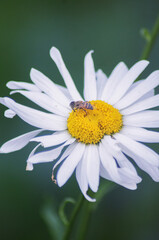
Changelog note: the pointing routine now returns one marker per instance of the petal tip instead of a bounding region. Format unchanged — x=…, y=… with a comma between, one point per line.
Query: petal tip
x=89, y=53
x=89, y=198
x=8, y=84
x=54, y=51
x=32, y=71
x=29, y=167
x=59, y=183
x=1, y=151
x=145, y=62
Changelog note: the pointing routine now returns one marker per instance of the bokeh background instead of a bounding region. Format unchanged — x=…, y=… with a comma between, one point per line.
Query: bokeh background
x=28, y=30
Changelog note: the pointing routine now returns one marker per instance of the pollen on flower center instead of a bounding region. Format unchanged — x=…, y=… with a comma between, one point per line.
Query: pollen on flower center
x=90, y=126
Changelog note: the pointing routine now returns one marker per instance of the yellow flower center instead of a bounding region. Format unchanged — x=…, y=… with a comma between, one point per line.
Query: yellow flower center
x=90, y=126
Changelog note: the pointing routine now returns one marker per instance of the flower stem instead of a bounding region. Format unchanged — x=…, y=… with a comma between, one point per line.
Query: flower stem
x=85, y=220
x=151, y=40
x=90, y=207
x=73, y=218
x=86, y=208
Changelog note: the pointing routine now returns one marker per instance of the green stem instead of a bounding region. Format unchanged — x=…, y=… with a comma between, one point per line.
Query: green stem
x=89, y=207
x=73, y=218
x=150, y=43
x=85, y=221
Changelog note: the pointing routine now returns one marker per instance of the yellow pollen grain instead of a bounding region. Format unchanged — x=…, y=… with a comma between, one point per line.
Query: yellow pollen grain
x=90, y=126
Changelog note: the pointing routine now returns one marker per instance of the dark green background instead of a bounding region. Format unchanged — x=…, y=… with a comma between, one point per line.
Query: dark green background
x=28, y=29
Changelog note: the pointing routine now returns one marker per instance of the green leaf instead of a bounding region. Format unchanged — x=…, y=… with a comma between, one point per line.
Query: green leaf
x=52, y=221
x=62, y=210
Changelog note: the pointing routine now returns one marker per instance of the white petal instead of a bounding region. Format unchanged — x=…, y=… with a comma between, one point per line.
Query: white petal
x=127, y=81
x=145, y=86
x=123, y=181
x=114, y=80
x=37, y=118
x=113, y=144
x=23, y=85
x=57, y=58
x=29, y=166
x=153, y=171
x=70, y=164
x=49, y=87
x=140, y=134
x=142, y=105
x=90, y=89
x=81, y=176
x=139, y=149
x=45, y=102
x=147, y=95
x=69, y=141
x=2, y=101
x=101, y=81
x=18, y=142
x=66, y=153
x=125, y=165
x=104, y=173
x=9, y=113
x=142, y=119
x=147, y=124
x=65, y=91
x=108, y=161
x=127, y=179
x=127, y=174
x=93, y=167
x=53, y=139
x=45, y=156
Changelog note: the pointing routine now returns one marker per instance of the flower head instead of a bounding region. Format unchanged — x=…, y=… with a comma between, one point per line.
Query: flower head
x=97, y=133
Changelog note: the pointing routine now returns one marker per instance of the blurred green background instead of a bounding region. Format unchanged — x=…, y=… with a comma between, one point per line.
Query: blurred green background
x=28, y=30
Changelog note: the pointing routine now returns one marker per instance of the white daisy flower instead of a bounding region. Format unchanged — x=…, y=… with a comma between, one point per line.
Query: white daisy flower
x=93, y=135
